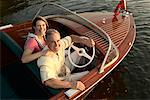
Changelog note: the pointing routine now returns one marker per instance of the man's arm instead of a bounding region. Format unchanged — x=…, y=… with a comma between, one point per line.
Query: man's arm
x=81, y=39
x=55, y=83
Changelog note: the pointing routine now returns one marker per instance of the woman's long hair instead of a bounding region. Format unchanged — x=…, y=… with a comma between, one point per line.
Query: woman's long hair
x=39, y=18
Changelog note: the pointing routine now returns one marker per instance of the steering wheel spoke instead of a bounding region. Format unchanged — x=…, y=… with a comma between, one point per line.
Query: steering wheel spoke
x=75, y=48
x=84, y=54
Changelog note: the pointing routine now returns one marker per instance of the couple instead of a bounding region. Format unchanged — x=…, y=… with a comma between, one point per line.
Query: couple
x=55, y=71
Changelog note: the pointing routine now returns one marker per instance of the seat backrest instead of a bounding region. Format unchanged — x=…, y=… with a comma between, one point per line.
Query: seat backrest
x=32, y=66
x=17, y=50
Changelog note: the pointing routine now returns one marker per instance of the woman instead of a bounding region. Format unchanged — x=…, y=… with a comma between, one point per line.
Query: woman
x=35, y=42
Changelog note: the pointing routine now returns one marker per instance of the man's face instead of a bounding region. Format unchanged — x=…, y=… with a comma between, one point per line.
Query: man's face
x=54, y=42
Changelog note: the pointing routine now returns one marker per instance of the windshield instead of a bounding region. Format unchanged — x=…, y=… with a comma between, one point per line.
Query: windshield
x=57, y=11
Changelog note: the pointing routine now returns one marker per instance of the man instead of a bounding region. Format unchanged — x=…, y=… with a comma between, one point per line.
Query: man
x=53, y=69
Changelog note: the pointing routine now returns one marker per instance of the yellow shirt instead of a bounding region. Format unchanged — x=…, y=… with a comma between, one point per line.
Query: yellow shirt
x=50, y=65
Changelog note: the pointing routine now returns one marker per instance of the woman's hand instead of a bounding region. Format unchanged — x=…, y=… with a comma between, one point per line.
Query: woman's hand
x=43, y=52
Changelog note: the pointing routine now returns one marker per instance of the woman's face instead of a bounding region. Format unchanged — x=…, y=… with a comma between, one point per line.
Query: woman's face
x=40, y=27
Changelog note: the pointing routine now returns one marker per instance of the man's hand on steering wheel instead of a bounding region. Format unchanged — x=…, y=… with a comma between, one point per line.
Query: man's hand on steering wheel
x=87, y=41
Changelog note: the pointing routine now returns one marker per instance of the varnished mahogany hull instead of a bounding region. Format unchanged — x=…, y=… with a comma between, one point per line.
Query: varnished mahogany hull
x=121, y=30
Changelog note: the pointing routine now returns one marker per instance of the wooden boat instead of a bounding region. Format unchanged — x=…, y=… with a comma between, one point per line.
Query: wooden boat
x=114, y=34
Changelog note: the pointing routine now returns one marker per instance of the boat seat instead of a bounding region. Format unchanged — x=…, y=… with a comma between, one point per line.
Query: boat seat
x=8, y=91
x=17, y=50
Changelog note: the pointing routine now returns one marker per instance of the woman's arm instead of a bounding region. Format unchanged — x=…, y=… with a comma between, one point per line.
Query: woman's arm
x=29, y=56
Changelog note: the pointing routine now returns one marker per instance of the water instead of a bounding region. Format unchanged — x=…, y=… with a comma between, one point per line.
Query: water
x=131, y=79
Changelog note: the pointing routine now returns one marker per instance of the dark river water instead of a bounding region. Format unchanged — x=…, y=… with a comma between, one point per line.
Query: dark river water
x=131, y=78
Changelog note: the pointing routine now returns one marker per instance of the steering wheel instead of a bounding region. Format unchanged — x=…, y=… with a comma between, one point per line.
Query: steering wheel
x=81, y=52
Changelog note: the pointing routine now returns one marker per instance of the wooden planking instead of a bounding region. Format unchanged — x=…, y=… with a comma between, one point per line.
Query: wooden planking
x=117, y=30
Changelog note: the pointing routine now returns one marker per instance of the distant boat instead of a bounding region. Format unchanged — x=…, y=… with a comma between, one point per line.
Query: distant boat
x=113, y=32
